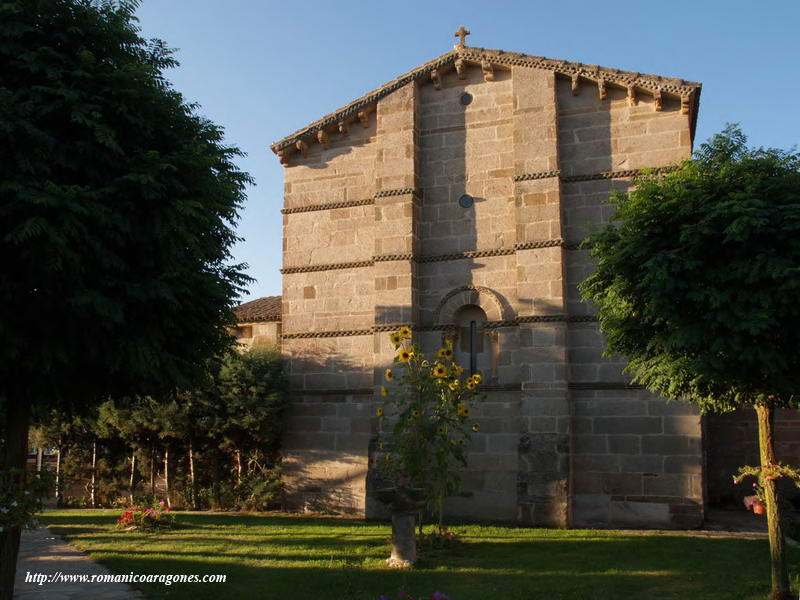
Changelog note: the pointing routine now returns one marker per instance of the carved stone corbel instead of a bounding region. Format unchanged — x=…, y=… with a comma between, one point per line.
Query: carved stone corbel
x=488, y=71
x=601, y=88
x=363, y=116
x=576, y=83
x=301, y=146
x=461, y=68
x=283, y=156
x=436, y=77
x=657, y=101
x=343, y=129
x=323, y=139
x=632, y=99
x=685, y=103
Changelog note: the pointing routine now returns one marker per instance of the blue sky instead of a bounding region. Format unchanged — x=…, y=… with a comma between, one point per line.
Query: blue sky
x=262, y=69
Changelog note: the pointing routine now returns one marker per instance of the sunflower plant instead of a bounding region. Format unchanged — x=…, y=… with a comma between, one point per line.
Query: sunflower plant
x=426, y=415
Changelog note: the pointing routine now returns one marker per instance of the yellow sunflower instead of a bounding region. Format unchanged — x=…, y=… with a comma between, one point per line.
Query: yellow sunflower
x=477, y=378
x=384, y=391
x=439, y=371
x=440, y=353
x=453, y=385
x=458, y=369
x=395, y=339
x=461, y=442
x=388, y=375
x=405, y=331
x=415, y=413
x=476, y=427
x=462, y=408
x=379, y=412
x=449, y=344
x=470, y=384
x=441, y=430
x=405, y=355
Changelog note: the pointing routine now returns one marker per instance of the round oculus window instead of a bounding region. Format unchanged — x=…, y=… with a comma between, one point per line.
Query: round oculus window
x=466, y=201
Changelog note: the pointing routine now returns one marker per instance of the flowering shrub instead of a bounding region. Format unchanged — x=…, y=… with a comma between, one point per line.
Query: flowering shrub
x=427, y=409
x=151, y=518
x=21, y=496
x=763, y=474
x=441, y=538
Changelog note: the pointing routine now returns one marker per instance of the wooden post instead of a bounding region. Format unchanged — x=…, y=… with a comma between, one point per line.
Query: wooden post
x=238, y=467
x=58, y=475
x=93, y=481
x=133, y=476
x=193, y=489
x=166, y=475
x=152, y=469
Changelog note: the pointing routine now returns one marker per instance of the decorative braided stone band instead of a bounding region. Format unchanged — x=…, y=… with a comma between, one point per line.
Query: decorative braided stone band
x=594, y=176
x=524, y=177
x=349, y=203
x=604, y=385
x=430, y=259
x=328, y=206
x=329, y=267
x=541, y=175
x=329, y=392
x=499, y=387
x=441, y=327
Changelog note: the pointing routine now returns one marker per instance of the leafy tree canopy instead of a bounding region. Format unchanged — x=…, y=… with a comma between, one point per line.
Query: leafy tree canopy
x=117, y=206
x=698, y=276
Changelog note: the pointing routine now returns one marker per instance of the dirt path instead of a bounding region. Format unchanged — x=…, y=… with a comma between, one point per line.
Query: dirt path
x=42, y=552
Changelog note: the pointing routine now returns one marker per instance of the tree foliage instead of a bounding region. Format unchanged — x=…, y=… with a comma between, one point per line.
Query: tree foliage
x=233, y=421
x=698, y=276
x=116, y=208
x=697, y=284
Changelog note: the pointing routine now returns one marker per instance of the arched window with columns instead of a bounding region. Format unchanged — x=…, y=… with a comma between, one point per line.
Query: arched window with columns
x=473, y=350
x=470, y=309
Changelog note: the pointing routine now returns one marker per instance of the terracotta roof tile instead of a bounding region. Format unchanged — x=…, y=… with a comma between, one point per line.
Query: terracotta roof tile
x=267, y=308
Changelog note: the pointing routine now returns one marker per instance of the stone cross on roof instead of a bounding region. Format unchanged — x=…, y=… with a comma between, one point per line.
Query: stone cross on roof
x=462, y=33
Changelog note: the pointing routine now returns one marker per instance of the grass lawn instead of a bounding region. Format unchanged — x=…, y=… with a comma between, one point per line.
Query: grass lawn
x=291, y=557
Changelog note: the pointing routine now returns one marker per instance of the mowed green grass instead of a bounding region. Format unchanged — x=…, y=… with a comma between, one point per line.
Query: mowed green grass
x=292, y=557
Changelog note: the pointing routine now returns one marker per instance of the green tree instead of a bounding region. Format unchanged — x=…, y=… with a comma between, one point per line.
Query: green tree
x=252, y=389
x=117, y=204
x=697, y=283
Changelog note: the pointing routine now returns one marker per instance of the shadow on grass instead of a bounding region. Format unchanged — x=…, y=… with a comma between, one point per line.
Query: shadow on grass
x=276, y=557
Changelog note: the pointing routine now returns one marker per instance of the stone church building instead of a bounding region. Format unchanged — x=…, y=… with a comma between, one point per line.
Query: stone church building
x=452, y=197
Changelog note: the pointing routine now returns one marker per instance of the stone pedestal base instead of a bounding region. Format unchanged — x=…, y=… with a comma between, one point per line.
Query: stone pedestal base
x=404, y=541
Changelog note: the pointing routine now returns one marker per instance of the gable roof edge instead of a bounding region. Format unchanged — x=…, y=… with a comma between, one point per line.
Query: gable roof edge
x=688, y=90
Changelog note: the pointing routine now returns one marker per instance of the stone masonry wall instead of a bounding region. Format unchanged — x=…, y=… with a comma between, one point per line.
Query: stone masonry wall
x=331, y=378
x=263, y=333
x=564, y=438
x=636, y=459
